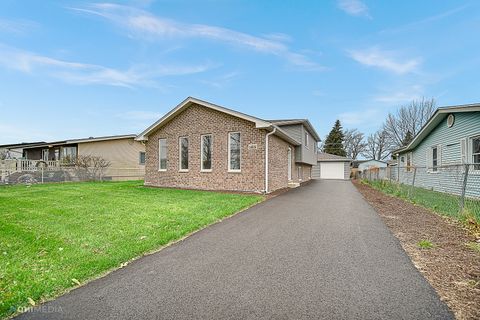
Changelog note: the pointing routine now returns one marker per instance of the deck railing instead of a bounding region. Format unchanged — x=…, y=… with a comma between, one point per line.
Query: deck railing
x=14, y=171
x=21, y=165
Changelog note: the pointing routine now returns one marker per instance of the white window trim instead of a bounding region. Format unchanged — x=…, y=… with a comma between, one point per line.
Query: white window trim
x=201, y=152
x=140, y=158
x=229, y=151
x=430, y=169
x=180, y=154
x=160, y=156
x=470, y=153
x=307, y=138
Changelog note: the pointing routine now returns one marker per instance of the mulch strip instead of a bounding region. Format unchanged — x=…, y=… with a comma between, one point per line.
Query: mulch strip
x=450, y=266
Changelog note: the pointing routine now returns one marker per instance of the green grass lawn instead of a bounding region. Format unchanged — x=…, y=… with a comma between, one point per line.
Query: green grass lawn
x=53, y=233
x=442, y=203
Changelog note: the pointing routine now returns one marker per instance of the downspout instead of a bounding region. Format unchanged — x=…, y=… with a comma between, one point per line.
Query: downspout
x=266, y=157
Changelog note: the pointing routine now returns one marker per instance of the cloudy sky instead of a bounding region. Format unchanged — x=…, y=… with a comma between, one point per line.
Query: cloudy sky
x=72, y=69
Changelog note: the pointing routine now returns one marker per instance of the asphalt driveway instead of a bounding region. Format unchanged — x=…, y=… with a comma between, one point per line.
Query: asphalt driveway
x=316, y=252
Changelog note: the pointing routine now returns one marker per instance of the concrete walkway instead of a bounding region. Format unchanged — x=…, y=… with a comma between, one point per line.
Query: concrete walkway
x=316, y=252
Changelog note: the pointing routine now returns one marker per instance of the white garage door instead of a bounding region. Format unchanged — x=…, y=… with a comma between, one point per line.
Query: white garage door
x=332, y=170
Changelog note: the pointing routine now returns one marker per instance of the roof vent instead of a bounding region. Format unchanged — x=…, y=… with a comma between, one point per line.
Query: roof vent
x=90, y=137
x=450, y=120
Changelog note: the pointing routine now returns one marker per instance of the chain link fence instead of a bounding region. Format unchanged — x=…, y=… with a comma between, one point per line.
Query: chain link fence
x=33, y=171
x=451, y=189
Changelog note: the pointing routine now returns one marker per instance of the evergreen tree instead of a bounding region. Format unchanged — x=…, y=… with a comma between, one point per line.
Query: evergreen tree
x=408, y=138
x=334, y=141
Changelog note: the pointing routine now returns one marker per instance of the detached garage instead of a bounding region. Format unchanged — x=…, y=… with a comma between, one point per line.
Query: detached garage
x=330, y=166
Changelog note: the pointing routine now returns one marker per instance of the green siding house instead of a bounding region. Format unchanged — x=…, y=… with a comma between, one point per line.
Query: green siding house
x=437, y=155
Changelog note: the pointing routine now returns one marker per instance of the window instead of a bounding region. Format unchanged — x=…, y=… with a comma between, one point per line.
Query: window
x=45, y=154
x=162, y=154
x=206, y=161
x=141, y=157
x=183, y=147
x=69, y=154
x=234, y=150
x=306, y=139
x=476, y=153
x=434, y=159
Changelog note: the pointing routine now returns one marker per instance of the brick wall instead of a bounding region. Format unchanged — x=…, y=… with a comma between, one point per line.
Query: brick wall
x=302, y=172
x=278, y=163
x=196, y=121
x=192, y=123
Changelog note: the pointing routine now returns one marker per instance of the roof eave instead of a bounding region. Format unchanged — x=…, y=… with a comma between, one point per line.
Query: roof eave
x=282, y=134
x=334, y=160
x=434, y=120
x=100, y=139
x=259, y=124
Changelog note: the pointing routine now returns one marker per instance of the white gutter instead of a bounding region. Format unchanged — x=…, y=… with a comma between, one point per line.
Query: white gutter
x=266, y=157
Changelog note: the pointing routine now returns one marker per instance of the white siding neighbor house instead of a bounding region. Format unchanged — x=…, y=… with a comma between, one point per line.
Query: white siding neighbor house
x=442, y=148
x=372, y=163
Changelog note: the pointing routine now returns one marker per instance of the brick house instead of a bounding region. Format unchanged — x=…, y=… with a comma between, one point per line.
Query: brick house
x=200, y=145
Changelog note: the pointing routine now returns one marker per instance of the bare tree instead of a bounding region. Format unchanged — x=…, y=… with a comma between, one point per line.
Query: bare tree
x=378, y=146
x=354, y=143
x=407, y=121
x=91, y=167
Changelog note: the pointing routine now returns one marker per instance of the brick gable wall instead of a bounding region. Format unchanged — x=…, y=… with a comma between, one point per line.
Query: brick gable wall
x=196, y=121
x=192, y=123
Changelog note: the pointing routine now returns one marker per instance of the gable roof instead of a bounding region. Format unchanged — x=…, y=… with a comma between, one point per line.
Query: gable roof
x=85, y=140
x=259, y=123
x=105, y=138
x=20, y=145
x=305, y=122
x=367, y=160
x=440, y=114
x=322, y=156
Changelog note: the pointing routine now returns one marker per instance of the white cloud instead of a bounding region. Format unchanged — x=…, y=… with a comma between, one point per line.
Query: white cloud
x=354, y=8
x=421, y=23
x=222, y=80
x=362, y=117
x=84, y=73
x=386, y=60
x=142, y=24
x=138, y=120
x=21, y=133
x=406, y=94
x=16, y=26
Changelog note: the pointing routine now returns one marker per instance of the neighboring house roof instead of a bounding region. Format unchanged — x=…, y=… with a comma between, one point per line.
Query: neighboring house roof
x=259, y=123
x=305, y=122
x=322, y=156
x=106, y=138
x=363, y=161
x=84, y=140
x=440, y=114
x=20, y=145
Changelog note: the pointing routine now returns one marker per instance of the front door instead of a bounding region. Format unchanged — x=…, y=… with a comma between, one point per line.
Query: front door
x=289, y=154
